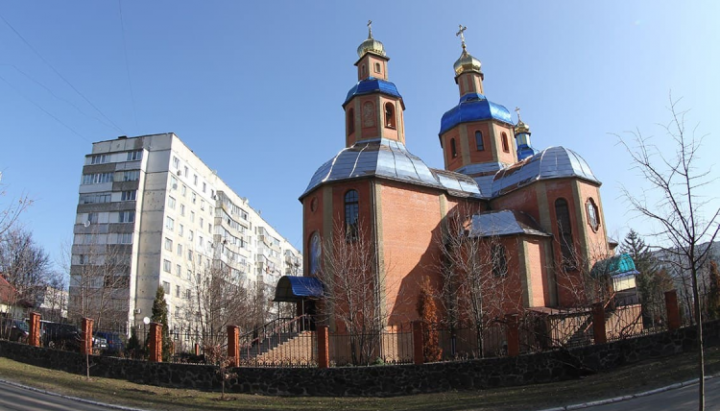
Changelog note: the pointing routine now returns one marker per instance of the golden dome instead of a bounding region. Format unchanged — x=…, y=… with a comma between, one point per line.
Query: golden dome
x=370, y=45
x=521, y=127
x=467, y=63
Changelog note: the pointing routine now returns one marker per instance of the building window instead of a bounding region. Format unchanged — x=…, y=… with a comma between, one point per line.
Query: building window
x=179, y=249
x=190, y=255
x=592, y=214
x=505, y=146
x=176, y=162
x=191, y=235
x=182, y=210
x=192, y=216
x=499, y=260
x=195, y=179
x=377, y=67
x=178, y=270
x=133, y=175
x=204, y=187
x=99, y=159
x=92, y=218
x=202, y=222
x=95, y=198
x=187, y=172
x=363, y=70
x=479, y=141
x=350, y=121
x=315, y=253
x=184, y=190
x=134, y=155
x=181, y=229
x=389, y=115
x=177, y=293
x=171, y=203
x=168, y=244
x=169, y=223
x=562, y=213
x=351, y=215
x=202, y=205
x=126, y=217
x=166, y=287
x=166, y=266
x=453, y=149
x=128, y=195
x=97, y=178
x=125, y=238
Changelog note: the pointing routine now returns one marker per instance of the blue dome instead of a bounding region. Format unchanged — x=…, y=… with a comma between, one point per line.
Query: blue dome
x=553, y=162
x=372, y=85
x=474, y=107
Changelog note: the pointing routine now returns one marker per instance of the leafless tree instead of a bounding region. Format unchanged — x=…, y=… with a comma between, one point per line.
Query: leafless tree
x=355, y=283
x=10, y=209
x=23, y=263
x=687, y=220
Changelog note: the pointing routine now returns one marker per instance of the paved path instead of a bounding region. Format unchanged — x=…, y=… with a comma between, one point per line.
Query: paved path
x=16, y=398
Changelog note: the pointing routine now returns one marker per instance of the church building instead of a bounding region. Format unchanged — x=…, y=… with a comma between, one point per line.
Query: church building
x=533, y=217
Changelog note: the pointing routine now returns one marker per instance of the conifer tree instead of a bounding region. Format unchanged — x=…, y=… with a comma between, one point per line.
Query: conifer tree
x=160, y=315
x=428, y=314
x=650, y=284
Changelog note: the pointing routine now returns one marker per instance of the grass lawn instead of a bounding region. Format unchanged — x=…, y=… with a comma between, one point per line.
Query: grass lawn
x=630, y=379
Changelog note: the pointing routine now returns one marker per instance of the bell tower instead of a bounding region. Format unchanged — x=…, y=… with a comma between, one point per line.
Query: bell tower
x=373, y=107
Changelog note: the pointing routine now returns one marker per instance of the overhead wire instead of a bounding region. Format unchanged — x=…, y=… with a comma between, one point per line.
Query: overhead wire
x=58, y=73
x=127, y=65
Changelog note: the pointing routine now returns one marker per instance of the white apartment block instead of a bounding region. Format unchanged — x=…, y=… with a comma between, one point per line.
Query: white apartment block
x=151, y=213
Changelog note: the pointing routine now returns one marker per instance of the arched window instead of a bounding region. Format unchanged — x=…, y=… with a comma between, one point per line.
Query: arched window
x=315, y=253
x=351, y=215
x=377, y=67
x=499, y=260
x=363, y=71
x=350, y=121
x=389, y=115
x=479, y=141
x=592, y=214
x=505, y=145
x=562, y=213
x=453, y=149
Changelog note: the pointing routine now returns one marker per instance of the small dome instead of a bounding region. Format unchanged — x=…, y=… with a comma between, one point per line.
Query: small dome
x=467, y=63
x=370, y=45
x=521, y=128
x=474, y=107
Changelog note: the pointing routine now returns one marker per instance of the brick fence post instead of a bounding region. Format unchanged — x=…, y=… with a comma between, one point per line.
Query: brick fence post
x=233, y=345
x=155, y=342
x=598, y=318
x=34, y=338
x=323, y=347
x=513, y=336
x=418, y=342
x=672, y=309
x=86, y=336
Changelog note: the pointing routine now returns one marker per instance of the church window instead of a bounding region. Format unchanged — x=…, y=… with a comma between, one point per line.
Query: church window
x=368, y=114
x=389, y=115
x=363, y=71
x=499, y=260
x=350, y=121
x=479, y=141
x=351, y=215
x=453, y=149
x=505, y=146
x=592, y=214
x=315, y=253
x=562, y=213
x=377, y=67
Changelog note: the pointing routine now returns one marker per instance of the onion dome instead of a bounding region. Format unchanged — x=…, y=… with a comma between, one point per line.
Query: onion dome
x=467, y=63
x=521, y=128
x=370, y=45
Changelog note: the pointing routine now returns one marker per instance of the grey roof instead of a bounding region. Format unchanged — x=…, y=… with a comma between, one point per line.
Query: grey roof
x=553, y=162
x=389, y=159
x=502, y=223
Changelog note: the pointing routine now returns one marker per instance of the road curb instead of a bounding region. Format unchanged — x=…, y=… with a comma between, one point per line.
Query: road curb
x=627, y=397
x=68, y=397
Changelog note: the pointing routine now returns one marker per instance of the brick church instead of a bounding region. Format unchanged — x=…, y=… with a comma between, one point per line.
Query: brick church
x=533, y=217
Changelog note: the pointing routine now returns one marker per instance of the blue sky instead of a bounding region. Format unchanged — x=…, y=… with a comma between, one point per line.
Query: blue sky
x=255, y=89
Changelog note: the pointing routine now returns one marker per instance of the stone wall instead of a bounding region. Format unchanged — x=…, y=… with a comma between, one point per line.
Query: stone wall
x=379, y=380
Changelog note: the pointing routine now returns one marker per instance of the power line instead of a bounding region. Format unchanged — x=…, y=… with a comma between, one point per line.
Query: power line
x=43, y=110
x=127, y=65
x=58, y=73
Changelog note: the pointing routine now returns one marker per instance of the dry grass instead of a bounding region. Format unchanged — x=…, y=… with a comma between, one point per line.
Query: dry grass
x=638, y=377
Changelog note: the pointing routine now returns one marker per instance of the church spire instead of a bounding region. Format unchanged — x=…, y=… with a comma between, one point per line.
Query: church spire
x=468, y=73
x=522, y=138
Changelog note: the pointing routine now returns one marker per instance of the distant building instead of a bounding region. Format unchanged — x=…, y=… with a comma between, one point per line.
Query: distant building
x=151, y=213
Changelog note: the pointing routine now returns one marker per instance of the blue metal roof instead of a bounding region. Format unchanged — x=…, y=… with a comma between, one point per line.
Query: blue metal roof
x=553, y=162
x=390, y=159
x=372, y=85
x=474, y=107
x=618, y=266
x=291, y=288
x=505, y=222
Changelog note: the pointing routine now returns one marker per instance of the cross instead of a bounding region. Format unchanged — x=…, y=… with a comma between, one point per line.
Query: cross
x=462, y=36
x=369, y=29
x=517, y=110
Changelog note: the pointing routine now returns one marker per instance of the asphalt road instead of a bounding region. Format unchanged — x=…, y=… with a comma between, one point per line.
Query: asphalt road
x=21, y=399
x=685, y=399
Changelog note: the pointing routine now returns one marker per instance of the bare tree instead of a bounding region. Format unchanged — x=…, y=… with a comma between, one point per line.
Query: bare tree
x=688, y=221
x=355, y=283
x=23, y=263
x=10, y=211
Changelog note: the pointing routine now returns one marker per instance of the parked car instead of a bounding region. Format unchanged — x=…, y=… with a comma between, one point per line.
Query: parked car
x=115, y=344
x=62, y=336
x=15, y=330
x=100, y=343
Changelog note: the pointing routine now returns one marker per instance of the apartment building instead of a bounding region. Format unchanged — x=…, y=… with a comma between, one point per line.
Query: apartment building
x=151, y=213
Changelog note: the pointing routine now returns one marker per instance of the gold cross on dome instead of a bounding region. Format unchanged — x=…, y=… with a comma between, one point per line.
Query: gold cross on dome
x=462, y=35
x=369, y=29
x=517, y=110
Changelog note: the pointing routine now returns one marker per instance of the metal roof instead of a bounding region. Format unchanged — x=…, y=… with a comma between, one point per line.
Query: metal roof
x=618, y=266
x=553, y=162
x=291, y=288
x=502, y=223
x=474, y=107
x=389, y=159
x=372, y=85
